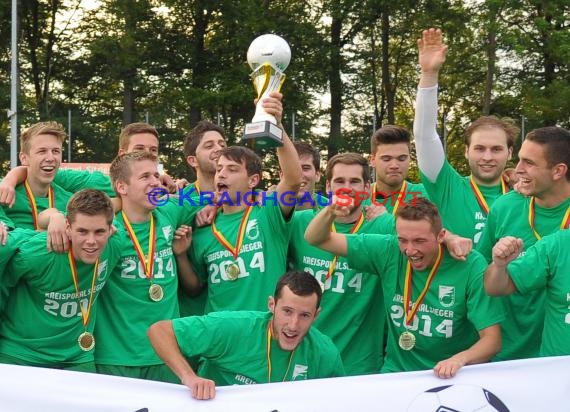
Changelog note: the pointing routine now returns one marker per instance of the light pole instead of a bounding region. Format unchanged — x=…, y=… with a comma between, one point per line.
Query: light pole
x=13, y=112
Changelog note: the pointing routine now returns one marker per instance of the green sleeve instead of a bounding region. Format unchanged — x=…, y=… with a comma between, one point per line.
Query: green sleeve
x=364, y=250
x=75, y=180
x=532, y=270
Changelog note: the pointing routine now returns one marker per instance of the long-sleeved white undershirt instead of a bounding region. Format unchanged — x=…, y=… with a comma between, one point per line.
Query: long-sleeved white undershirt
x=428, y=144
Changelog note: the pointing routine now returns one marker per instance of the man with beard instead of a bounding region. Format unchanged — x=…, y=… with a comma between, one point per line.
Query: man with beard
x=539, y=207
x=247, y=347
x=439, y=315
x=463, y=201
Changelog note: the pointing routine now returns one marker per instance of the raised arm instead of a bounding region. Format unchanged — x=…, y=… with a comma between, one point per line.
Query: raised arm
x=287, y=155
x=429, y=149
x=497, y=281
x=163, y=340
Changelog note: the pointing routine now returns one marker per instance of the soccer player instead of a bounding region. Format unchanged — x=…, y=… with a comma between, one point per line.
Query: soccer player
x=49, y=316
x=463, y=201
x=41, y=146
x=243, y=253
x=439, y=315
x=353, y=313
x=544, y=266
x=246, y=347
x=390, y=157
x=142, y=288
x=310, y=159
x=541, y=207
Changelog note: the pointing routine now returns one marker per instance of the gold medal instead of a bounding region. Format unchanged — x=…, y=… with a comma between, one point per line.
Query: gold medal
x=407, y=340
x=86, y=341
x=232, y=271
x=155, y=292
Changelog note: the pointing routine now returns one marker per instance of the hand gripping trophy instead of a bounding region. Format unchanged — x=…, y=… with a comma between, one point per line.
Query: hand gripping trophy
x=268, y=56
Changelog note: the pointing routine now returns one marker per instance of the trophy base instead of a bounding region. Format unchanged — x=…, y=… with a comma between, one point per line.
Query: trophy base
x=263, y=134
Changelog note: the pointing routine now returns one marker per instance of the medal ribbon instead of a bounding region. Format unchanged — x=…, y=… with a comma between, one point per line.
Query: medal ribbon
x=85, y=314
x=531, y=214
x=408, y=287
x=401, y=195
x=32, y=200
x=241, y=233
x=197, y=187
x=268, y=353
x=353, y=229
x=148, y=264
x=479, y=196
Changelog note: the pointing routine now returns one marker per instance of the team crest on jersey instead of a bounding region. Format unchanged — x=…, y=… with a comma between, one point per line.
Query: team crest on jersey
x=252, y=229
x=167, y=231
x=446, y=295
x=101, y=269
x=300, y=371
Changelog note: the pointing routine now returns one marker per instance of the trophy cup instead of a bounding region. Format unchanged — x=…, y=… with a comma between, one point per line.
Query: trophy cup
x=268, y=56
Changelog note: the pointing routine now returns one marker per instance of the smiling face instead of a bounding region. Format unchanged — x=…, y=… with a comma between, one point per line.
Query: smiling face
x=144, y=177
x=293, y=316
x=88, y=235
x=207, y=152
x=418, y=242
x=392, y=163
x=536, y=178
x=43, y=158
x=488, y=154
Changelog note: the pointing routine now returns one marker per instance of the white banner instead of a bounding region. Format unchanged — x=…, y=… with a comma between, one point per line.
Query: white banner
x=527, y=385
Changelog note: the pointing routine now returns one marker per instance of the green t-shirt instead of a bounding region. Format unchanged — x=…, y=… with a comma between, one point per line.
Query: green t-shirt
x=457, y=204
x=43, y=320
x=126, y=310
x=16, y=238
x=545, y=266
x=75, y=180
x=389, y=200
x=524, y=321
x=352, y=307
x=234, y=345
x=454, y=309
x=21, y=212
x=5, y=219
x=261, y=260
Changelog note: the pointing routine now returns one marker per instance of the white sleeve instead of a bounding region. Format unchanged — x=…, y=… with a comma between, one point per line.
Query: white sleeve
x=428, y=145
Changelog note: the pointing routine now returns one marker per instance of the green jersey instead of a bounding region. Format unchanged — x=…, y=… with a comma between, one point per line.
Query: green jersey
x=545, y=266
x=74, y=180
x=509, y=216
x=458, y=206
x=16, y=238
x=261, y=260
x=5, y=219
x=127, y=310
x=454, y=309
x=21, y=213
x=352, y=306
x=389, y=200
x=43, y=315
x=234, y=345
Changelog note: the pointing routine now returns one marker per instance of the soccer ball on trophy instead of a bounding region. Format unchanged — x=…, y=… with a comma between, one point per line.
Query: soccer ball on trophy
x=457, y=398
x=268, y=56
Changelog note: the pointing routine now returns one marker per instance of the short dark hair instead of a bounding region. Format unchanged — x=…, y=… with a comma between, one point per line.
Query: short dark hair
x=90, y=202
x=300, y=283
x=556, y=143
x=505, y=123
x=421, y=209
x=306, y=149
x=348, y=159
x=135, y=128
x=245, y=156
x=195, y=136
x=389, y=134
